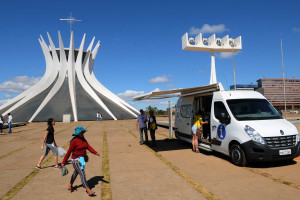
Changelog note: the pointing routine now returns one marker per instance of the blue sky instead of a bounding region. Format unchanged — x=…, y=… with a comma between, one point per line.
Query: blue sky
x=141, y=42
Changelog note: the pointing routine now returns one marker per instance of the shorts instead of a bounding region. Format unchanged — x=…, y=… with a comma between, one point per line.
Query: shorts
x=50, y=147
x=194, y=129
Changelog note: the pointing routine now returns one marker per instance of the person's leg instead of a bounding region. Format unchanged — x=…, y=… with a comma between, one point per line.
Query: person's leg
x=141, y=136
x=193, y=142
x=152, y=134
x=146, y=135
x=9, y=127
x=196, y=143
x=47, y=149
x=81, y=173
x=74, y=175
x=54, y=150
x=1, y=125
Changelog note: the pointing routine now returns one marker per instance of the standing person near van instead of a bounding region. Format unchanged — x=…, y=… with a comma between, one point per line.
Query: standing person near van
x=142, y=126
x=152, y=126
x=1, y=122
x=50, y=143
x=197, y=131
x=78, y=147
x=9, y=122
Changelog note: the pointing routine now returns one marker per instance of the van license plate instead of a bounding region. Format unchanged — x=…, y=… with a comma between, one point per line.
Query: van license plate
x=285, y=152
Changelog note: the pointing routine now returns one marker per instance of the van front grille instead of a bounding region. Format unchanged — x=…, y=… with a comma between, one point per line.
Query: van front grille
x=281, y=141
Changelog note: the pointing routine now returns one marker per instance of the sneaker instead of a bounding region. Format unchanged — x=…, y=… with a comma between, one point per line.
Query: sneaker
x=38, y=167
x=141, y=143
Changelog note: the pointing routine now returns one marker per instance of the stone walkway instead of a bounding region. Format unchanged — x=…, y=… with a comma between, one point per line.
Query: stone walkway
x=168, y=171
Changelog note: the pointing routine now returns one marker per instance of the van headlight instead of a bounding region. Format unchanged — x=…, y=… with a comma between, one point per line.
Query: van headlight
x=254, y=135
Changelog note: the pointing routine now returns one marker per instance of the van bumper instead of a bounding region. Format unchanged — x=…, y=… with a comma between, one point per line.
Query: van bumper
x=261, y=152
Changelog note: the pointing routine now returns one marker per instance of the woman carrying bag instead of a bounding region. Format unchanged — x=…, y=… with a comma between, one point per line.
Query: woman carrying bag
x=78, y=147
x=50, y=144
x=152, y=126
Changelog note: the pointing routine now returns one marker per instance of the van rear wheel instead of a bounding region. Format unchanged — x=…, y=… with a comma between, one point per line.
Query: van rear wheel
x=237, y=155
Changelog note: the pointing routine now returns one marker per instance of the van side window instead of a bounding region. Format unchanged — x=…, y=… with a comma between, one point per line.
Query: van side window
x=219, y=108
x=185, y=111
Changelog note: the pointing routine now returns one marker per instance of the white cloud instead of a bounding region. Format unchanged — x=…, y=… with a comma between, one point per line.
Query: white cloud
x=18, y=84
x=159, y=79
x=206, y=28
x=296, y=29
x=129, y=94
x=7, y=96
x=156, y=90
x=226, y=55
x=2, y=102
x=170, y=86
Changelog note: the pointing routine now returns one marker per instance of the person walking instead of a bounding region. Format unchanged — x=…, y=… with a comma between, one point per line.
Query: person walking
x=98, y=116
x=9, y=122
x=78, y=147
x=142, y=126
x=50, y=144
x=1, y=122
x=152, y=126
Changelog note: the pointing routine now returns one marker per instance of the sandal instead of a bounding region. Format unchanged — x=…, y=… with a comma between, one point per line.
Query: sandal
x=72, y=189
x=197, y=151
x=38, y=167
x=91, y=193
x=57, y=167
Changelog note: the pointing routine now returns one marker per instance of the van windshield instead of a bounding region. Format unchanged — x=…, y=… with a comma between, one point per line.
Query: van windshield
x=252, y=109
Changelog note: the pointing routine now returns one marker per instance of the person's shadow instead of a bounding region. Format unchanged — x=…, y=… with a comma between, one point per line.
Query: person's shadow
x=92, y=182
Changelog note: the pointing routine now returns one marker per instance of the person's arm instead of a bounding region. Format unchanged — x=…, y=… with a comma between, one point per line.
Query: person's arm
x=137, y=124
x=93, y=151
x=45, y=137
x=71, y=149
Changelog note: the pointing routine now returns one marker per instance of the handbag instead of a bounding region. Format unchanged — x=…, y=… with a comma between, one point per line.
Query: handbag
x=61, y=151
x=199, y=132
x=64, y=171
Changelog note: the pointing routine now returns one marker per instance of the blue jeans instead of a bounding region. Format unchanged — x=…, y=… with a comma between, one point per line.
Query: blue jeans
x=9, y=127
x=141, y=134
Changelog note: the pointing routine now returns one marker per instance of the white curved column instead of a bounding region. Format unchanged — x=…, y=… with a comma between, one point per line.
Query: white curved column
x=71, y=77
x=40, y=82
x=90, y=77
x=79, y=68
x=95, y=84
x=61, y=77
x=50, y=76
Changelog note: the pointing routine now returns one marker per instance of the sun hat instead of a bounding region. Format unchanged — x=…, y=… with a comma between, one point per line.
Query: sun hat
x=78, y=130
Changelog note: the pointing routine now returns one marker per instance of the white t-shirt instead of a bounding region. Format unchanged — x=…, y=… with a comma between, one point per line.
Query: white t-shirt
x=98, y=115
x=151, y=119
x=1, y=122
x=142, y=119
x=9, y=119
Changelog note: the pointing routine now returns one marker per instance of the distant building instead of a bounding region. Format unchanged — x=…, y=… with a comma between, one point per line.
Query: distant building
x=244, y=87
x=272, y=89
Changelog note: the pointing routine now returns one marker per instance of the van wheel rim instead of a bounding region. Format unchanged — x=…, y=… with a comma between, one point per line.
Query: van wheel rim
x=236, y=155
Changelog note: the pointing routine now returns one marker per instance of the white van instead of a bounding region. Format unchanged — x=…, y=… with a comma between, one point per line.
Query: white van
x=243, y=125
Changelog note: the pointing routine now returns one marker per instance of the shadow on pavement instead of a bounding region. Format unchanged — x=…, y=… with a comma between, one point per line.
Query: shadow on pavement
x=168, y=145
x=272, y=164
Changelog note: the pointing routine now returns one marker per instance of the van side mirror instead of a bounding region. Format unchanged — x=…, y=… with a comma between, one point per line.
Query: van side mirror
x=224, y=118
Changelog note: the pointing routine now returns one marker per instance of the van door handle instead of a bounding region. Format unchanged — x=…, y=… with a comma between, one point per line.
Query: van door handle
x=214, y=127
x=187, y=123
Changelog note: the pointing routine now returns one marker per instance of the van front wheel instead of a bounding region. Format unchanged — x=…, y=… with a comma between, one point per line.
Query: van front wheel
x=237, y=155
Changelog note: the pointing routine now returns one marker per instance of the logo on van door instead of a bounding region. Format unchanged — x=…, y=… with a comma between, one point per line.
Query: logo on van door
x=221, y=131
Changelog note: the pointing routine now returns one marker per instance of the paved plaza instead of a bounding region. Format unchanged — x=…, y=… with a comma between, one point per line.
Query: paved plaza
x=169, y=171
